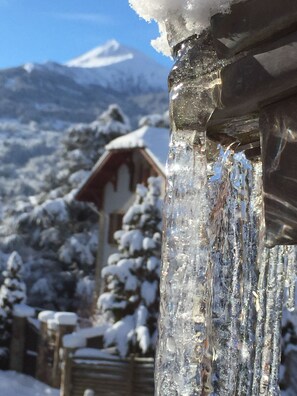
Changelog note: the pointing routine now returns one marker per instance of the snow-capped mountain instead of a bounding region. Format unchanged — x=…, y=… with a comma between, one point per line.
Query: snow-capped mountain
x=53, y=94
x=112, y=66
x=120, y=68
x=108, y=54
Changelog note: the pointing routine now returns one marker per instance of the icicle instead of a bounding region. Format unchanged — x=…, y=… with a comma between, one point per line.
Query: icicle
x=234, y=262
x=183, y=358
x=232, y=336
x=277, y=310
x=290, y=277
x=267, y=335
x=249, y=256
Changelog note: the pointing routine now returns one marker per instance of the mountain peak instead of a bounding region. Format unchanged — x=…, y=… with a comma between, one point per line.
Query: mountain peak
x=107, y=54
x=110, y=46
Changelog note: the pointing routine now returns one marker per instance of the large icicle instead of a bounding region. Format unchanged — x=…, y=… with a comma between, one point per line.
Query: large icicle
x=234, y=284
x=223, y=342
x=184, y=358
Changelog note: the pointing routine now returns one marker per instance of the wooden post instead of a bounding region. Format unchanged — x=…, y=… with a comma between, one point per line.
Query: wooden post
x=131, y=375
x=43, y=355
x=17, y=345
x=56, y=372
x=66, y=372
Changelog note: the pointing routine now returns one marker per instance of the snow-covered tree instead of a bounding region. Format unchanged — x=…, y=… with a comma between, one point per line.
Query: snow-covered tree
x=84, y=144
x=131, y=297
x=12, y=292
x=155, y=120
x=56, y=235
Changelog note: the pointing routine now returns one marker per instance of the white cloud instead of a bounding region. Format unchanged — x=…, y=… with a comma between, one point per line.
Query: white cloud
x=83, y=17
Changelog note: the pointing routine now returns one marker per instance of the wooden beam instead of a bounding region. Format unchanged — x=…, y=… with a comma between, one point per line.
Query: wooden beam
x=251, y=23
x=278, y=125
x=255, y=81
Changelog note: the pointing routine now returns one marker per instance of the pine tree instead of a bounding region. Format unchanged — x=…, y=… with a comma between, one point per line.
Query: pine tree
x=131, y=297
x=12, y=292
x=59, y=235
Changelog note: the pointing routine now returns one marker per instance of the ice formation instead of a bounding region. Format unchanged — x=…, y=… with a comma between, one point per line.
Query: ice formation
x=185, y=281
x=187, y=16
x=222, y=290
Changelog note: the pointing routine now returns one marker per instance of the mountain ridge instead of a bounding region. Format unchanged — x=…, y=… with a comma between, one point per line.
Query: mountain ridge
x=52, y=94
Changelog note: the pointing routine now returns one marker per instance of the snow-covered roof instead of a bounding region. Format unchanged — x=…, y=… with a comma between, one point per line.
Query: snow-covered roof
x=154, y=140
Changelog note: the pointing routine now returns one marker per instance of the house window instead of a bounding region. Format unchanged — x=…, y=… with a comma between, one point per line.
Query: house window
x=115, y=224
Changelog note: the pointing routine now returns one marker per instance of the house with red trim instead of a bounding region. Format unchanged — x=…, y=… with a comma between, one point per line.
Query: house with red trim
x=129, y=160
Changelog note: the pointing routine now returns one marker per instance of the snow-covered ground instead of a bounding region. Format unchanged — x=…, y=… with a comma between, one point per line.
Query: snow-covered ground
x=14, y=384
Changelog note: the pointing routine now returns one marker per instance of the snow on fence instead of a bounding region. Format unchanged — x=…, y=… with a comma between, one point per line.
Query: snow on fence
x=54, y=326
x=24, y=340
x=106, y=374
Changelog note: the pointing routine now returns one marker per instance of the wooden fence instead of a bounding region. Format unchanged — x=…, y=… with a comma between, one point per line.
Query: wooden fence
x=24, y=345
x=107, y=375
x=36, y=350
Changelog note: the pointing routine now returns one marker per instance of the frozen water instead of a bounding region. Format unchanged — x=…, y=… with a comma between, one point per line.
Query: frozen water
x=222, y=290
x=183, y=360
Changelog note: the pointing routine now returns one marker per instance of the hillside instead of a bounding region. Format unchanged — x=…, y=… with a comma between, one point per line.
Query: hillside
x=53, y=95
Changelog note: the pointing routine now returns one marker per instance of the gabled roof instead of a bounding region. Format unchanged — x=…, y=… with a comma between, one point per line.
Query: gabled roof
x=151, y=142
x=154, y=140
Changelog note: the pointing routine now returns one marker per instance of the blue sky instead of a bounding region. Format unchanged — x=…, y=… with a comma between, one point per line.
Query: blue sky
x=59, y=30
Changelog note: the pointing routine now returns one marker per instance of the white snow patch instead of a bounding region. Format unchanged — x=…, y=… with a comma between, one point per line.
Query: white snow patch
x=79, y=339
x=149, y=292
x=148, y=243
x=143, y=337
x=29, y=67
x=120, y=334
x=154, y=140
x=12, y=384
x=114, y=65
x=153, y=263
x=74, y=340
x=52, y=324
x=44, y=316
x=23, y=311
x=186, y=17
x=108, y=54
x=89, y=392
x=107, y=301
x=66, y=318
